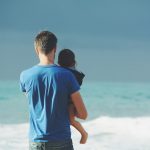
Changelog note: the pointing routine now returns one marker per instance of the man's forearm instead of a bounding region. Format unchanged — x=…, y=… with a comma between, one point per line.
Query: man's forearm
x=81, y=111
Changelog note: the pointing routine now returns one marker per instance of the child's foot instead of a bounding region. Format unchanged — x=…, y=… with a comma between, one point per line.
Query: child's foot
x=84, y=138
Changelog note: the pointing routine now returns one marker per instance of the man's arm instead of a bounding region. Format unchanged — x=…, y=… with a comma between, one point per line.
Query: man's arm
x=79, y=105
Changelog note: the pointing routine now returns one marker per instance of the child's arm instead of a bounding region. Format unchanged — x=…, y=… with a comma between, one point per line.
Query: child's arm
x=81, y=111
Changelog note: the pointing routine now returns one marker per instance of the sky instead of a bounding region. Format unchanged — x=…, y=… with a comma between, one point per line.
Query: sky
x=111, y=38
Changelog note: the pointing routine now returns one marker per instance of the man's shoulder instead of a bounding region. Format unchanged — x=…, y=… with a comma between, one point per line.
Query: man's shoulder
x=76, y=73
x=63, y=70
x=27, y=72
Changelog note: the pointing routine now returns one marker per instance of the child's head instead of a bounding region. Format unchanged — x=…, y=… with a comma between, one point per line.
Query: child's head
x=66, y=58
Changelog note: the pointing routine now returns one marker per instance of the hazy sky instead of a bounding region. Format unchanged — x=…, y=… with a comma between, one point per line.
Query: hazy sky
x=111, y=38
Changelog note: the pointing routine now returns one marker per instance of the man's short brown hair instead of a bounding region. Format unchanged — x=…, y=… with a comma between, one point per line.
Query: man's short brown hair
x=46, y=41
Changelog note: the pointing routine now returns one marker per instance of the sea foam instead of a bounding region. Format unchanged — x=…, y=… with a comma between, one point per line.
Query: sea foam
x=105, y=133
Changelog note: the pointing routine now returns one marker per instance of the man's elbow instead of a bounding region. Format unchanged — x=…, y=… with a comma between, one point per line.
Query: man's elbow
x=83, y=116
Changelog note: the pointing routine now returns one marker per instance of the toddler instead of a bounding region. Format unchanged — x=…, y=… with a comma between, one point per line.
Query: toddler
x=66, y=59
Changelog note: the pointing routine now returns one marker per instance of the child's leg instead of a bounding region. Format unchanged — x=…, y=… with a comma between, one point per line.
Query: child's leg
x=76, y=124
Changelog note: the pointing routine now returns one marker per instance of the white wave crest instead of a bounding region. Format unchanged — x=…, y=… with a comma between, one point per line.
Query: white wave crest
x=105, y=133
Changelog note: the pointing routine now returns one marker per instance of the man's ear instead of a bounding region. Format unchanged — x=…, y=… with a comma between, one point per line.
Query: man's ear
x=37, y=51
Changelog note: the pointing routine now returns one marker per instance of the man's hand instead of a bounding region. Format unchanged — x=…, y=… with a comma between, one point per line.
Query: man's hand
x=79, y=105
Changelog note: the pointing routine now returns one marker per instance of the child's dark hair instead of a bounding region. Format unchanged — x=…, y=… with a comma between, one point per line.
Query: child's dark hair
x=66, y=58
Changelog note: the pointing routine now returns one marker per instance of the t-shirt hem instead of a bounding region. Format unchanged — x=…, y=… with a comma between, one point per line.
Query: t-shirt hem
x=50, y=140
x=74, y=91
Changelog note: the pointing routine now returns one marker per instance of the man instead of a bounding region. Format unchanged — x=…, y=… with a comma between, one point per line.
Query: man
x=48, y=88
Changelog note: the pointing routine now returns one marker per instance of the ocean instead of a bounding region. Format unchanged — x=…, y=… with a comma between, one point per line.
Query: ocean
x=119, y=116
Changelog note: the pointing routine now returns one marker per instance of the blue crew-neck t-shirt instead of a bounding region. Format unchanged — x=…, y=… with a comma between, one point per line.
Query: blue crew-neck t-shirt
x=48, y=89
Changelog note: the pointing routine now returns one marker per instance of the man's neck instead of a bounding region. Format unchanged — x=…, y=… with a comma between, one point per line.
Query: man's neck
x=46, y=60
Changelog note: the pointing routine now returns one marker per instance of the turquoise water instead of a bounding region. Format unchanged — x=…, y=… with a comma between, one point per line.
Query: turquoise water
x=101, y=99
x=13, y=104
x=117, y=99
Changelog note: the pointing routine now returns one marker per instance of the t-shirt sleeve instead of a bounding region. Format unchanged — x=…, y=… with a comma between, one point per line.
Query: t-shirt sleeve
x=22, y=85
x=73, y=84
